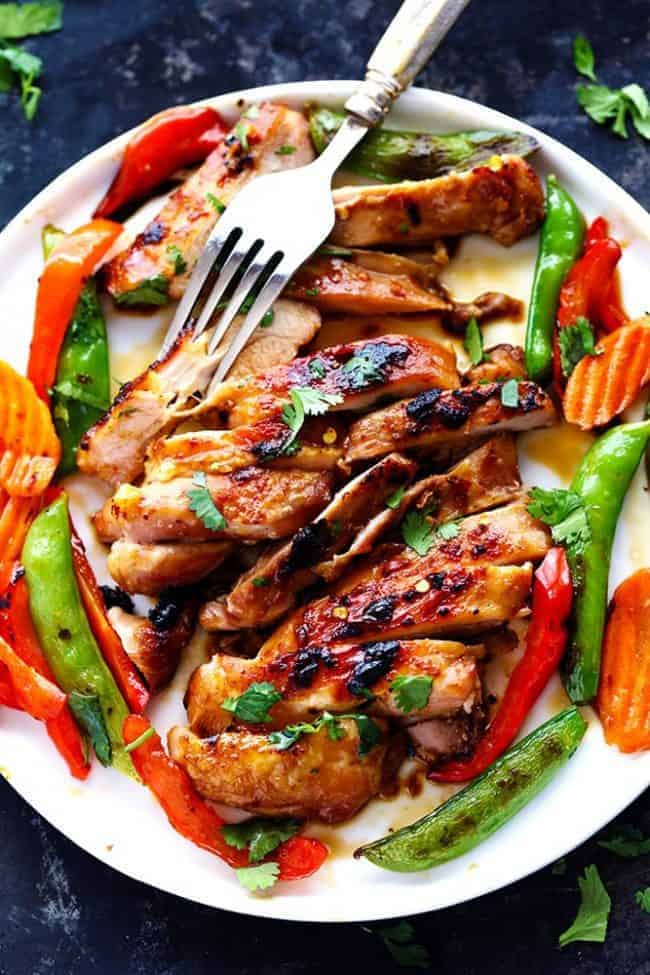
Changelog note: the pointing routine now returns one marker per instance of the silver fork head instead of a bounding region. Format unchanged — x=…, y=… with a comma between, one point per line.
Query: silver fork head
x=272, y=227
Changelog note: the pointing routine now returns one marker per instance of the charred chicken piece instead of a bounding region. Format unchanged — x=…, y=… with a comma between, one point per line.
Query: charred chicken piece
x=318, y=778
x=340, y=678
x=189, y=215
x=148, y=569
x=114, y=449
x=256, y=503
x=348, y=527
x=448, y=418
x=504, y=201
x=501, y=362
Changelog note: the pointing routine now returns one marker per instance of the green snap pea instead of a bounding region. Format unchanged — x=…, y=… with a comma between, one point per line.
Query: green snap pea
x=390, y=156
x=66, y=637
x=486, y=804
x=81, y=393
x=560, y=245
x=601, y=480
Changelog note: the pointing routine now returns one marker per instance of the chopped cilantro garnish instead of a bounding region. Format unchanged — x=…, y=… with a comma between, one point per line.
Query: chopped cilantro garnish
x=420, y=535
x=261, y=582
x=363, y=371
x=642, y=897
x=254, y=704
x=285, y=150
x=411, y=691
x=151, y=291
x=369, y=731
x=177, y=259
x=261, y=877
x=474, y=342
x=241, y=131
x=564, y=512
x=312, y=292
x=259, y=836
x=583, y=57
x=395, y=499
x=576, y=341
x=510, y=394
x=267, y=318
x=317, y=368
x=628, y=842
x=203, y=506
x=305, y=401
x=595, y=904
x=29, y=19
x=215, y=202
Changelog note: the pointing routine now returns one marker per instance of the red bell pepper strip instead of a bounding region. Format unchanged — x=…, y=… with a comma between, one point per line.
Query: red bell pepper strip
x=167, y=142
x=7, y=694
x=36, y=694
x=609, y=312
x=17, y=629
x=545, y=643
x=131, y=685
x=66, y=270
x=298, y=857
x=585, y=288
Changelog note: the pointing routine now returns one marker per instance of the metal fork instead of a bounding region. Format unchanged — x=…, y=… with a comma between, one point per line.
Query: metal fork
x=279, y=220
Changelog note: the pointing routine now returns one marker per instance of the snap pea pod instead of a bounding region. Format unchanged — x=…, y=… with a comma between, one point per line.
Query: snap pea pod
x=82, y=389
x=391, y=156
x=66, y=637
x=486, y=804
x=560, y=245
x=602, y=479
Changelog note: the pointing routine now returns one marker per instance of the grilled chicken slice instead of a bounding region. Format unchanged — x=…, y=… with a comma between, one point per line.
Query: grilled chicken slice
x=484, y=308
x=317, y=778
x=114, y=449
x=504, y=200
x=485, y=478
x=185, y=221
x=256, y=503
x=348, y=527
x=360, y=373
x=354, y=286
x=443, y=419
x=441, y=738
x=148, y=569
x=155, y=644
x=501, y=362
x=339, y=679
x=459, y=600
x=226, y=451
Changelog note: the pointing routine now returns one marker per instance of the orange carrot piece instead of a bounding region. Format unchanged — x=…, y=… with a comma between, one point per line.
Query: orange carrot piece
x=601, y=386
x=15, y=519
x=624, y=694
x=29, y=447
x=36, y=694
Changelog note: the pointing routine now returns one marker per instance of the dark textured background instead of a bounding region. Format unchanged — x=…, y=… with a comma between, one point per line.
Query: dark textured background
x=114, y=64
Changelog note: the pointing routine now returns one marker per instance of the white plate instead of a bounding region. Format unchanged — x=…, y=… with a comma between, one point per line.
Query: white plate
x=115, y=819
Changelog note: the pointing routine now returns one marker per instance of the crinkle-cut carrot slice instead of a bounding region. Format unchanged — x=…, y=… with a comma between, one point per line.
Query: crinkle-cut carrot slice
x=601, y=386
x=29, y=447
x=624, y=693
x=15, y=518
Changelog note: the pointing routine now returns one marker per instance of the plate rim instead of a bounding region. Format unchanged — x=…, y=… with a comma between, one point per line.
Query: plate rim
x=617, y=197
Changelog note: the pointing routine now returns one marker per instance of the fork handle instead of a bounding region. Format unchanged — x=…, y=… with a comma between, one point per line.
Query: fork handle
x=407, y=44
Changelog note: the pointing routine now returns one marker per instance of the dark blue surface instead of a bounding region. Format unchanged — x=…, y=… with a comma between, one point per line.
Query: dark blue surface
x=114, y=64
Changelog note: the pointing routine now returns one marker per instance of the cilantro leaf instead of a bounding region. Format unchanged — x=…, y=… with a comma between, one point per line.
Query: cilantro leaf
x=369, y=731
x=259, y=836
x=261, y=877
x=215, y=202
x=583, y=57
x=447, y=531
x=363, y=371
x=598, y=101
x=261, y=582
x=418, y=533
x=254, y=704
x=19, y=67
x=29, y=19
x=267, y=318
x=203, y=506
x=642, y=897
x=411, y=691
x=241, y=132
x=398, y=939
x=88, y=712
x=285, y=150
x=177, y=259
x=629, y=842
x=576, y=341
x=317, y=368
x=251, y=112
x=603, y=104
x=150, y=291
x=564, y=512
x=595, y=904
x=395, y=499
x=473, y=342
x=305, y=401
x=510, y=394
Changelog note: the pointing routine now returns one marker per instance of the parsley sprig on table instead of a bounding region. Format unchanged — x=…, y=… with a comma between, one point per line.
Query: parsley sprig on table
x=610, y=105
x=18, y=67
x=595, y=904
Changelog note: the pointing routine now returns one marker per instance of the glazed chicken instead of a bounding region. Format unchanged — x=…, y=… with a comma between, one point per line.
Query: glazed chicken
x=189, y=215
x=504, y=200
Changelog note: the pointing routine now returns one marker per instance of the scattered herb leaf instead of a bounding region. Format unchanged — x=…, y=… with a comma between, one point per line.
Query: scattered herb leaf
x=447, y=531
x=418, y=533
x=595, y=904
x=395, y=499
x=369, y=731
x=564, y=512
x=411, y=691
x=285, y=150
x=151, y=291
x=260, y=582
x=254, y=704
x=203, y=506
x=510, y=394
x=259, y=836
x=29, y=19
x=317, y=368
x=398, y=939
x=628, y=842
x=177, y=259
x=88, y=711
x=305, y=401
x=603, y=104
x=473, y=342
x=363, y=371
x=576, y=341
x=583, y=57
x=261, y=877
x=642, y=897
x=241, y=132
x=312, y=292
x=215, y=202
x=140, y=740
x=267, y=318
